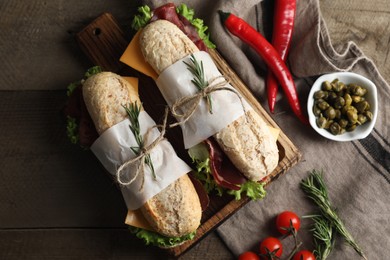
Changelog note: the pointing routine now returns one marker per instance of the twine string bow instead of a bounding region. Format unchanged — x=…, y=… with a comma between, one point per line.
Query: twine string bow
x=193, y=101
x=143, y=155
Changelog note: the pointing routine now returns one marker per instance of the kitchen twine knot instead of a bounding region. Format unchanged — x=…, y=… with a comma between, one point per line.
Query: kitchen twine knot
x=144, y=152
x=194, y=100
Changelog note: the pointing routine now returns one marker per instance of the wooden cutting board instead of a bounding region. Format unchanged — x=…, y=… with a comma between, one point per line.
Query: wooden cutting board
x=103, y=41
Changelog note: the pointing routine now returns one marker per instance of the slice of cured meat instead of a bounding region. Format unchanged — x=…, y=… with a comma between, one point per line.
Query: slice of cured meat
x=168, y=12
x=223, y=171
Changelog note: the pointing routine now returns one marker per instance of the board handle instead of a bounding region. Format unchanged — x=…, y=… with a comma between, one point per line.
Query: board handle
x=103, y=41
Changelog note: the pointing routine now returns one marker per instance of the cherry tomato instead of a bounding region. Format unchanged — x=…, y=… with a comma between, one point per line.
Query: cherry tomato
x=270, y=248
x=286, y=221
x=249, y=256
x=304, y=255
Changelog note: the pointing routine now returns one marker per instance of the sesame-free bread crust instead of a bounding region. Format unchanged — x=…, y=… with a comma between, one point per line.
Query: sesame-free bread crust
x=247, y=142
x=176, y=210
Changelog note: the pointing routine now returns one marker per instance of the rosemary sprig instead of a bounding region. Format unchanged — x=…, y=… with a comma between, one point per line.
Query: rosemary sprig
x=323, y=236
x=315, y=188
x=133, y=110
x=199, y=80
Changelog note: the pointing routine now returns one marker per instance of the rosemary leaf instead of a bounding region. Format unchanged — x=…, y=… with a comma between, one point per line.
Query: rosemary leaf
x=133, y=110
x=315, y=188
x=199, y=80
x=323, y=237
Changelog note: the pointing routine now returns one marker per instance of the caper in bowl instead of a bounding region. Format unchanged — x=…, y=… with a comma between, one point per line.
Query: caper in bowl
x=342, y=106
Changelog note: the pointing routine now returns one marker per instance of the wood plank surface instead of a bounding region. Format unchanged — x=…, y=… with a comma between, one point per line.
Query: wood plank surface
x=56, y=202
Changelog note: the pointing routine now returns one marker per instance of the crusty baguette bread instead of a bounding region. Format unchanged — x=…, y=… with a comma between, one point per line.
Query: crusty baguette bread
x=250, y=146
x=176, y=210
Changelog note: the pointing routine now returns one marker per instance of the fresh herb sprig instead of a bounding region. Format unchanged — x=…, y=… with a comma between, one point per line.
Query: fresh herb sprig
x=315, y=188
x=199, y=80
x=133, y=110
x=323, y=233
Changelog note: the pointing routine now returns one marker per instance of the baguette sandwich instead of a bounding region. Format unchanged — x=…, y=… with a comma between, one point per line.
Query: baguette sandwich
x=173, y=214
x=249, y=145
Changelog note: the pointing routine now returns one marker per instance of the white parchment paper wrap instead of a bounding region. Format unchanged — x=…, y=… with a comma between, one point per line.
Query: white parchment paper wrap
x=112, y=148
x=175, y=83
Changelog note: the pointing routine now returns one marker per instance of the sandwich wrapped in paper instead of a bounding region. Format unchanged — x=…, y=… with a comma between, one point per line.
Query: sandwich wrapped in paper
x=175, y=59
x=163, y=204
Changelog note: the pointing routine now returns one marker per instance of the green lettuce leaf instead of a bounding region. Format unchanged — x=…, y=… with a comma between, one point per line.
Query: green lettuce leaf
x=72, y=130
x=92, y=71
x=201, y=158
x=141, y=19
x=72, y=125
x=153, y=238
x=197, y=23
x=252, y=189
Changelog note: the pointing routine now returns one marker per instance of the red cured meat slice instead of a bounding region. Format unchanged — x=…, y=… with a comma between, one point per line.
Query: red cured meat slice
x=224, y=172
x=168, y=12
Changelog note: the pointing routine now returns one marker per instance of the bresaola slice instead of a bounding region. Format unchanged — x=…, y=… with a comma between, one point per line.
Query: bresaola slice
x=168, y=12
x=75, y=108
x=203, y=196
x=224, y=172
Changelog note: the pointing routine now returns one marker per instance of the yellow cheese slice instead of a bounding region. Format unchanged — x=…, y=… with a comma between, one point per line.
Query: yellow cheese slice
x=274, y=132
x=136, y=219
x=133, y=90
x=133, y=58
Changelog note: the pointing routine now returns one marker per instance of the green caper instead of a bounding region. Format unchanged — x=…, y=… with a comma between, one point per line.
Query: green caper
x=330, y=113
x=351, y=88
x=339, y=102
x=351, y=128
x=331, y=96
x=323, y=105
x=316, y=111
x=360, y=91
x=321, y=122
x=320, y=94
x=335, y=128
x=343, y=123
x=362, y=106
x=339, y=86
x=368, y=114
x=352, y=116
x=362, y=119
x=357, y=99
x=348, y=99
x=328, y=124
x=326, y=86
x=338, y=113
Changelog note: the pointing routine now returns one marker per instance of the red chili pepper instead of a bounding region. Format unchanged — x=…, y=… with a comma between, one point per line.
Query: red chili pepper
x=284, y=16
x=249, y=35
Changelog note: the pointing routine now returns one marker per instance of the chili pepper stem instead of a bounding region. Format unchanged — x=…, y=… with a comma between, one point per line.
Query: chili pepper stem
x=223, y=15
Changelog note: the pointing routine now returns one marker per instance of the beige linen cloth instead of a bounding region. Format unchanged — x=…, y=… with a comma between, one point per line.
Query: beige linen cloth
x=357, y=173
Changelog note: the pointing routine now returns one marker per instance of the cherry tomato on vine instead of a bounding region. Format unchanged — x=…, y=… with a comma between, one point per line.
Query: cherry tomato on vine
x=271, y=248
x=304, y=255
x=248, y=256
x=287, y=221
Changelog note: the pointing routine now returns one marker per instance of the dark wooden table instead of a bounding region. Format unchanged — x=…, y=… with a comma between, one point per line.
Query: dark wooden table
x=55, y=200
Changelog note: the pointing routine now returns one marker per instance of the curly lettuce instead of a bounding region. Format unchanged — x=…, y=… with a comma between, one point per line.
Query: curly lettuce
x=142, y=19
x=199, y=25
x=153, y=238
x=201, y=158
x=252, y=189
x=72, y=127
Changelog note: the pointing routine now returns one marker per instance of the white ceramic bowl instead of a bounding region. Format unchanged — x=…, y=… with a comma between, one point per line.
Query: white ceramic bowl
x=361, y=131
